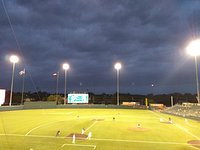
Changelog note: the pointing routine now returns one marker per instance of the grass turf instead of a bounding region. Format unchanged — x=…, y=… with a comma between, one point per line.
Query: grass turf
x=36, y=130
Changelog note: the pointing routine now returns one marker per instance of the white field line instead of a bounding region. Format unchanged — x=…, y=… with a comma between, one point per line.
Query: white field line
x=180, y=127
x=195, y=147
x=187, y=122
x=44, y=124
x=139, y=141
x=68, y=113
x=99, y=139
x=132, y=116
x=90, y=126
x=80, y=145
x=37, y=128
x=190, y=125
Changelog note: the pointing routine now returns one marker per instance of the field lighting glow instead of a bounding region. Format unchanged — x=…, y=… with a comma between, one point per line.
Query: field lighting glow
x=65, y=66
x=14, y=59
x=118, y=66
x=194, y=48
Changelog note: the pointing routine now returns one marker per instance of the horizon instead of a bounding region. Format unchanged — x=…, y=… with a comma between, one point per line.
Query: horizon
x=148, y=37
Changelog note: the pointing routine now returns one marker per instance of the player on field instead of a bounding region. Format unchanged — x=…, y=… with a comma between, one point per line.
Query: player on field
x=138, y=125
x=58, y=133
x=89, y=135
x=170, y=120
x=73, y=138
x=83, y=131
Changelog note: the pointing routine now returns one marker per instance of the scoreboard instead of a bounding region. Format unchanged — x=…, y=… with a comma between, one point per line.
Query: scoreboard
x=2, y=96
x=78, y=98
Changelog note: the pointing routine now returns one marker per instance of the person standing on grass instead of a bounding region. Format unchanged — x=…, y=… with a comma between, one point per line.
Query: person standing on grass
x=73, y=138
x=58, y=133
x=113, y=118
x=170, y=120
x=83, y=131
x=89, y=135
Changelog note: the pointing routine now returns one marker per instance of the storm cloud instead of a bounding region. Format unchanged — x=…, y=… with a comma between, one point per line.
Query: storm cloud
x=147, y=36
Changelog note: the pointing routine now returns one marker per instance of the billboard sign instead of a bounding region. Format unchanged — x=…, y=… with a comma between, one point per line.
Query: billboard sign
x=78, y=98
x=2, y=96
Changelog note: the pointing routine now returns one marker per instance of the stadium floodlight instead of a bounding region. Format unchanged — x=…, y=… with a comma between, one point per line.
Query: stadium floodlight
x=65, y=67
x=57, y=79
x=22, y=74
x=118, y=67
x=13, y=59
x=194, y=50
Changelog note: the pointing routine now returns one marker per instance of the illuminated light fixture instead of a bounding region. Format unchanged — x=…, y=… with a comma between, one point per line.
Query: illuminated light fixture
x=13, y=59
x=194, y=50
x=65, y=67
x=118, y=66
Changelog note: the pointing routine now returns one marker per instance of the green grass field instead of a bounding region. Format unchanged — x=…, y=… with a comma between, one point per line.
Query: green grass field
x=36, y=130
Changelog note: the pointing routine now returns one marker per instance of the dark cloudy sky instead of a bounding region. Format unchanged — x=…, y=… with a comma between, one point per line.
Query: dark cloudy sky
x=147, y=36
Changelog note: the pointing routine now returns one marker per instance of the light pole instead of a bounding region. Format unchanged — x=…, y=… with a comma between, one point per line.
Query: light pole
x=22, y=73
x=65, y=67
x=57, y=79
x=13, y=59
x=118, y=67
x=194, y=50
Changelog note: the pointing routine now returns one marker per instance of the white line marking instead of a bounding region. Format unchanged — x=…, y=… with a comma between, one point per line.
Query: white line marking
x=68, y=113
x=99, y=139
x=188, y=132
x=12, y=135
x=190, y=125
x=140, y=141
x=90, y=126
x=194, y=147
x=180, y=127
x=44, y=124
x=80, y=145
x=36, y=128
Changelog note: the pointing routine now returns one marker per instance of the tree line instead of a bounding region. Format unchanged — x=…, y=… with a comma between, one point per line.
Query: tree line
x=104, y=98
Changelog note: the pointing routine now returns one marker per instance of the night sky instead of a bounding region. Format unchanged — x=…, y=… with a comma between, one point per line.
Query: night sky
x=148, y=37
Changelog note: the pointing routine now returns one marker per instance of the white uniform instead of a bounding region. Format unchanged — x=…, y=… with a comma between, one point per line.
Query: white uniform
x=83, y=131
x=73, y=138
x=89, y=135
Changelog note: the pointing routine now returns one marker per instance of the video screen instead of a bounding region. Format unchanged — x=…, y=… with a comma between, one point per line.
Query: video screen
x=78, y=98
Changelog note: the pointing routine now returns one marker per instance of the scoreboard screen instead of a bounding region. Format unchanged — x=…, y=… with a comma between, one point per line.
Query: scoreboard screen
x=2, y=96
x=78, y=98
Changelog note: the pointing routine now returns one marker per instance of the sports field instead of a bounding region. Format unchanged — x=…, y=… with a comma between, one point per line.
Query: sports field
x=112, y=129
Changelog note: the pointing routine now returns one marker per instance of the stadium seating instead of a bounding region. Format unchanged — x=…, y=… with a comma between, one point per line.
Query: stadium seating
x=190, y=110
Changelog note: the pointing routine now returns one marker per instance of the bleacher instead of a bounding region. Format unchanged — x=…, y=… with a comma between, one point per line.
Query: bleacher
x=188, y=110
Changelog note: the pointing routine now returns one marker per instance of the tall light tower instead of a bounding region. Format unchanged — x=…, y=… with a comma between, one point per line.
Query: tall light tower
x=13, y=59
x=57, y=80
x=22, y=73
x=118, y=67
x=194, y=50
x=65, y=67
